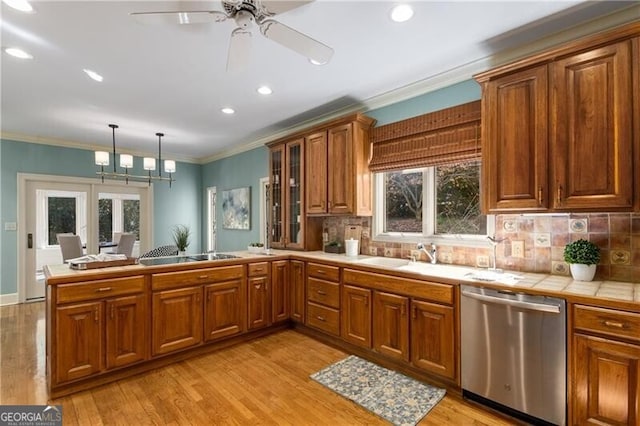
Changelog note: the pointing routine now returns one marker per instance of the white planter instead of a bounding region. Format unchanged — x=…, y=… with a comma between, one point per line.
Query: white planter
x=182, y=252
x=581, y=272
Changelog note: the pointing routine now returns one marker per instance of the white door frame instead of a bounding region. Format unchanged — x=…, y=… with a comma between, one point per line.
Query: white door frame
x=24, y=178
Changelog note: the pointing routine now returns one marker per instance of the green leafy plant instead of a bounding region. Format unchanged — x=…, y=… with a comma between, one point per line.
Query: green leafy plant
x=583, y=252
x=181, y=234
x=256, y=245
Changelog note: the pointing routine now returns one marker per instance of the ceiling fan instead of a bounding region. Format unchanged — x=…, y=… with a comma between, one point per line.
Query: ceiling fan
x=247, y=14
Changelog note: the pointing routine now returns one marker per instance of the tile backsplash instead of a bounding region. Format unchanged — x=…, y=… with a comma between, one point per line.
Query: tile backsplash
x=531, y=243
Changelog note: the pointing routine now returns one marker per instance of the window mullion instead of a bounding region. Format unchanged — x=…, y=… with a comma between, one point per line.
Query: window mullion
x=429, y=202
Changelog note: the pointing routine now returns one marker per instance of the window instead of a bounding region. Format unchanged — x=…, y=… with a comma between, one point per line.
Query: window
x=212, y=228
x=118, y=213
x=441, y=201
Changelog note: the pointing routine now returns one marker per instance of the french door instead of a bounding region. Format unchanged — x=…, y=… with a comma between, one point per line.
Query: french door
x=96, y=212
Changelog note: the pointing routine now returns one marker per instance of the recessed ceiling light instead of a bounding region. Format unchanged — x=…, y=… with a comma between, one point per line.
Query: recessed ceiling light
x=265, y=90
x=401, y=13
x=314, y=62
x=94, y=75
x=18, y=53
x=228, y=110
x=21, y=5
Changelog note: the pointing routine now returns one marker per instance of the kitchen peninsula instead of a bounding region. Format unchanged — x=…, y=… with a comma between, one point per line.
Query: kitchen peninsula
x=107, y=324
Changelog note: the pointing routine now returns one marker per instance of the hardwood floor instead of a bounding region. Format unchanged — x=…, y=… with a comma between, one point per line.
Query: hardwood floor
x=263, y=382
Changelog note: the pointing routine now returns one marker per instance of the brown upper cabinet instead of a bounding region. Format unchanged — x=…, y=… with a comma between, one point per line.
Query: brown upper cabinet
x=289, y=225
x=338, y=170
x=558, y=128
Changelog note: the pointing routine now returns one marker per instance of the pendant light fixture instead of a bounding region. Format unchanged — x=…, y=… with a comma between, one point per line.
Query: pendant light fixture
x=126, y=162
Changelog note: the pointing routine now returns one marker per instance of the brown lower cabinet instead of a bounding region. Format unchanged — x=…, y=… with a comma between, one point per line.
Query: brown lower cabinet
x=391, y=325
x=297, y=290
x=356, y=315
x=605, y=366
x=433, y=338
x=98, y=327
x=280, y=293
x=258, y=296
x=224, y=309
x=415, y=325
x=177, y=319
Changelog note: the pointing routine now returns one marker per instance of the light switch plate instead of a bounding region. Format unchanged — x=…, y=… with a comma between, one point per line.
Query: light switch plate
x=10, y=226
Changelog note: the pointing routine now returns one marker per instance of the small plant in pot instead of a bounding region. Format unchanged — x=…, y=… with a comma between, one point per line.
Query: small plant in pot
x=582, y=257
x=181, y=234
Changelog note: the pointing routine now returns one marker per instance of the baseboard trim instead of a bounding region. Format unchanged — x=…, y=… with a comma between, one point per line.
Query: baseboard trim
x=9, y=299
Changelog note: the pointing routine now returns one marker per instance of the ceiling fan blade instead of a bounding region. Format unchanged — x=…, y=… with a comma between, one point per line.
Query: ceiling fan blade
x=239, y=50
x=296, y=41
x=276, y=7
x=176, y=17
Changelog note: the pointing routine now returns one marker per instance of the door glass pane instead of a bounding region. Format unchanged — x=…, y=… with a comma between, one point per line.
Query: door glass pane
x=294, y=193
x=105, y=219
x=61, y=217
x=276, y=196
x=131, y=217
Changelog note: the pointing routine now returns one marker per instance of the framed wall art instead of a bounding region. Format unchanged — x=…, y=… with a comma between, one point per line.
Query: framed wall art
x=236, y=208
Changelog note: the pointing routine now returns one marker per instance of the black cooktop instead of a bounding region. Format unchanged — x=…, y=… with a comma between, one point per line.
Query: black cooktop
x=152, y=261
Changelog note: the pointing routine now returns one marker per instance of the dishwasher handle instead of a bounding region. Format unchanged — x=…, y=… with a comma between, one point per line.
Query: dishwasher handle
x=540, y=307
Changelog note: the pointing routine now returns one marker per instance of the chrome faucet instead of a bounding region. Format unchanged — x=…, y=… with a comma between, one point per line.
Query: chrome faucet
x=432, y=254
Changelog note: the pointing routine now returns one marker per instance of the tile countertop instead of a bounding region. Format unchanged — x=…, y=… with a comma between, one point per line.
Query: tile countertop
x=542, y=283
x=553, y=285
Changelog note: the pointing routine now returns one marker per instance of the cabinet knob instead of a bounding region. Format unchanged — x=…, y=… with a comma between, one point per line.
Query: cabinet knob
x=540, y=196
x=321, y=293
x=103, y=289
x=559, y=194
x=614, y=324
x=321, y=318
x=95, y=315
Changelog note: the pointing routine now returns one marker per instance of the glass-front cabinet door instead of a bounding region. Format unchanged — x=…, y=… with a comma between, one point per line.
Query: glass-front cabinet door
x=276, y=179
x=295, y=194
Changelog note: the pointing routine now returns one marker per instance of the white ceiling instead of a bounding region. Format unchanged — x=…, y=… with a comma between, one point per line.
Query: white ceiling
x=172, y=78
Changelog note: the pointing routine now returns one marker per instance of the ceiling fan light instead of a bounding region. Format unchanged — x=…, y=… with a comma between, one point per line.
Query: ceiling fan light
x=264, y=90
x=18, y=53
x=21, y=5
x=228, y=110
x=401, y=13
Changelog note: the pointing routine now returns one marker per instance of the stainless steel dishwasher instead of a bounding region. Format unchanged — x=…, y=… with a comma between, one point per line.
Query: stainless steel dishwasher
x=514, y=353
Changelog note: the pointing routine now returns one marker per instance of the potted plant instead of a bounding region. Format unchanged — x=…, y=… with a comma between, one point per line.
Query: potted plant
x=255, y=247
x=582, y=257
x=181, y=234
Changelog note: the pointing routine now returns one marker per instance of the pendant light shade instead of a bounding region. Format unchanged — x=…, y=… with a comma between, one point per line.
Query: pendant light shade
x=126, y=162
x=102, y=158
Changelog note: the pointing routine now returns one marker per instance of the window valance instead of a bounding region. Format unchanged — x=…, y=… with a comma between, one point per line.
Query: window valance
x=447, y=136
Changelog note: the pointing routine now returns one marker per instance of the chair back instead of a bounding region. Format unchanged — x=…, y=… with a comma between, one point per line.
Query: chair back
x=70, y=246
x=125, y=244
x=161, y=251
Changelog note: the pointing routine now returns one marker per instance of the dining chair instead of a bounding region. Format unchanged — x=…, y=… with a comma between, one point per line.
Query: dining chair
x=125, y=244
x=70, y=246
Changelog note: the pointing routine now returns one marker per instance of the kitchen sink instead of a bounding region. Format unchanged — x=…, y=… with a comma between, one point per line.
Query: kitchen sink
x=438, y=270
x=389, y=262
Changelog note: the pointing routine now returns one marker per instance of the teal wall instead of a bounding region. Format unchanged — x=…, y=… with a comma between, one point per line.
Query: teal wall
x=456, y=94
x=241, y=170
x=185, y=202
x=180, y=204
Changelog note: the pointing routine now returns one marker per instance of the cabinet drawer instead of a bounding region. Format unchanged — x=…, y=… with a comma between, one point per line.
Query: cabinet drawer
x=91, y=290
x=257, y=269
x=607, y=321
x=170, y=280
x=324, y=292
x=331, y=273
x=323, y=318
